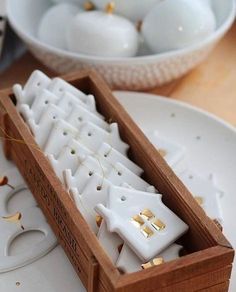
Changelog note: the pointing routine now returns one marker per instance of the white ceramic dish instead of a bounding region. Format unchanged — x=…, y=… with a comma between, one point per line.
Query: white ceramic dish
x=135, y=73
x=210, y=145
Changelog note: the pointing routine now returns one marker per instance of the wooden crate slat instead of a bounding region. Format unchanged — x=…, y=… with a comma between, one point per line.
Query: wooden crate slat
x=188, y=267
x=194, y=284
x=93, y=275
x=223, y=287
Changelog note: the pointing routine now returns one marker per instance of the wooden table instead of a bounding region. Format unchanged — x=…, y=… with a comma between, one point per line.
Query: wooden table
x=211, y=86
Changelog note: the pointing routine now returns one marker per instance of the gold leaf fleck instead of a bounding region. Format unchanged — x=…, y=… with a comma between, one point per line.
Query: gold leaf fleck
x=98, y=220
x=110, y=7
x=163, y=152
x=88, y=6
x=4, y=182
x=158, y=261
x=199, y=200
x=146, y=266
x=152, y=263
x=15, y=218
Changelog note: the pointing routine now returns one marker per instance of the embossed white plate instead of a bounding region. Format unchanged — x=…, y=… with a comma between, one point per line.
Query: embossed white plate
x=210, y=144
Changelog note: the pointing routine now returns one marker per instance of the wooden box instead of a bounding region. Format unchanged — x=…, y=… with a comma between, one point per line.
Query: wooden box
x=207, y=267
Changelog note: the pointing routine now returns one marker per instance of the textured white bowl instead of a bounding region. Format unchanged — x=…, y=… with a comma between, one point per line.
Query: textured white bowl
x=137, y=73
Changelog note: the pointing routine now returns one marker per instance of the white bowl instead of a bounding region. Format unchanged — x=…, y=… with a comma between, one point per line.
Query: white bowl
x=137, y=73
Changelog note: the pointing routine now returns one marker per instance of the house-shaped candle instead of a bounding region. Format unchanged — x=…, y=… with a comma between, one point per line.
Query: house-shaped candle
x=141, y=220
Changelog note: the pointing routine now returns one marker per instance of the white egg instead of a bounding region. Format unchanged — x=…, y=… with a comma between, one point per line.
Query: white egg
x=135, y=10
x=175, y=24
x=54, y=24
x=102, y=34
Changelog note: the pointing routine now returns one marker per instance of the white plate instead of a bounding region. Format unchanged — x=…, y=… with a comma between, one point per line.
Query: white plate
x=210, y=144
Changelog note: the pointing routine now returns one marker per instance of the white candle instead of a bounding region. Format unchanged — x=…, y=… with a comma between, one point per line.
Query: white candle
x=103, y=34
x=53, y=26
x=175, y=24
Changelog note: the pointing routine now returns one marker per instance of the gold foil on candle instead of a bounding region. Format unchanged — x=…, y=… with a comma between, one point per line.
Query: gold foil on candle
x=137, y=221
x=158, y=224
x=147, y=214
x=147, y=232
